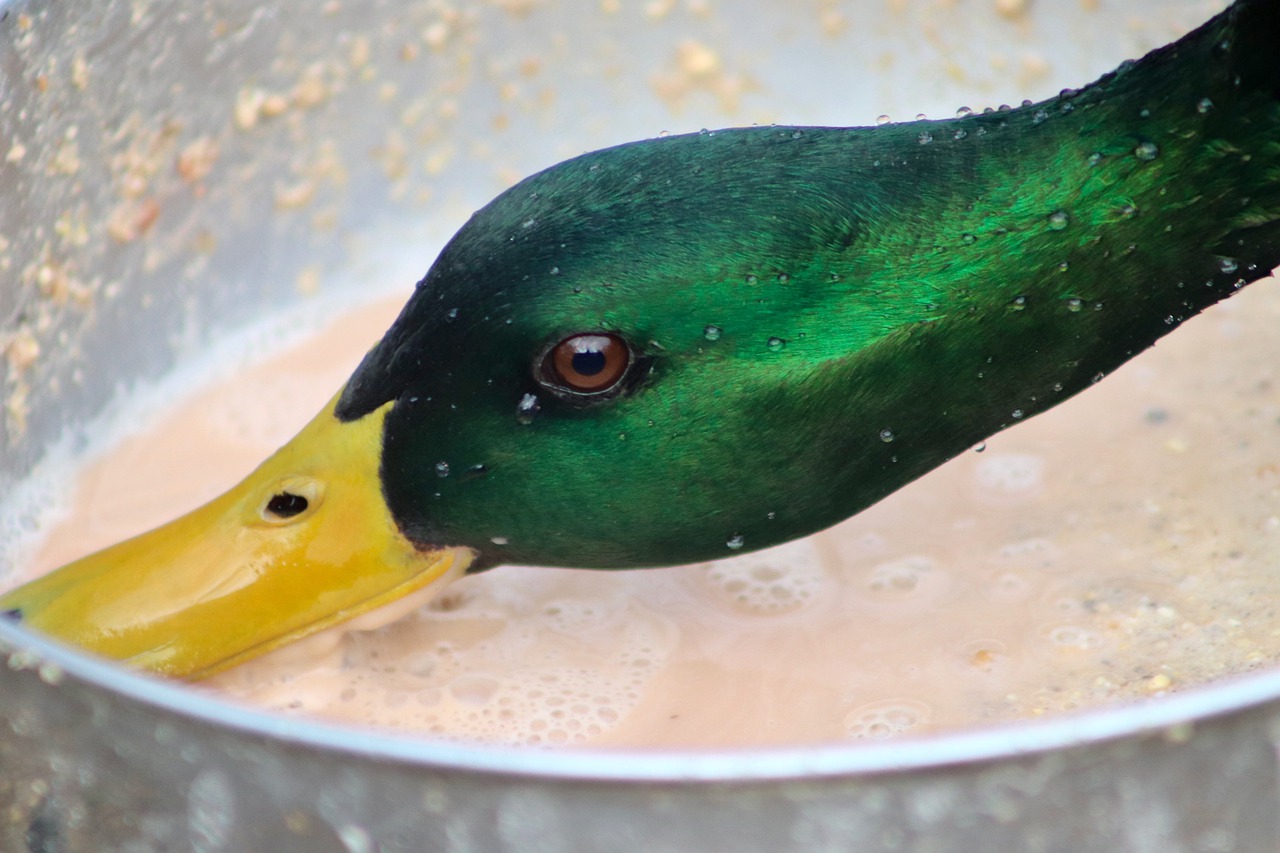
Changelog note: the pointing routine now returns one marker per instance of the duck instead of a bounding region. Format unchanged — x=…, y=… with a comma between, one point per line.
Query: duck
x=689, y=347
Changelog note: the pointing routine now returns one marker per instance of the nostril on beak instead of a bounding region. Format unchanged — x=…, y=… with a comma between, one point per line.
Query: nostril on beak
x=11, y=615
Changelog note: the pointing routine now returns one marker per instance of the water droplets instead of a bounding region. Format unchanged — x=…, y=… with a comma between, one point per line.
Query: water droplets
x=964, y=112
x=1204, y=106
x=1228, y=265
x=1039, y=116
x=1094, y=159
x=752, y=280
x=1146, y=151
x=451, y=314
x=882, y=120
x=925, y=138
x=442, y=469
x=735, y=542
x=968, y=239
x=1075, y=304
x=1018, y=303
x=500, y=540
x=776, y=344
x=1058, y=220
x=886, y=435
x=526, y=410
x=712, y=332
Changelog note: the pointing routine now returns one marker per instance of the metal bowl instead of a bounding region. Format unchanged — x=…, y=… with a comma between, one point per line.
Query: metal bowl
x=171, y=170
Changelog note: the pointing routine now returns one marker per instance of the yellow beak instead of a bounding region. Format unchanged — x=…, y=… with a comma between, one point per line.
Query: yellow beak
x=304, y=542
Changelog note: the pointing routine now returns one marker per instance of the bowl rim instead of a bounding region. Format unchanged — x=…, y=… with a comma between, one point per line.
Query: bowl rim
x=979, y=744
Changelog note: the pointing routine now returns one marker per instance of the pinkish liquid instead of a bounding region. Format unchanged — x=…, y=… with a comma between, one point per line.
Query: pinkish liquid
x=1123, y=545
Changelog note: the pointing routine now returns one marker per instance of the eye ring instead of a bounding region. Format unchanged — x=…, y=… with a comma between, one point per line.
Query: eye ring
x=587, y=364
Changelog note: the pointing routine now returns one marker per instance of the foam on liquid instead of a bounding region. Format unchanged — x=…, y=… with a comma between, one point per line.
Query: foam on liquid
x=1123, y=545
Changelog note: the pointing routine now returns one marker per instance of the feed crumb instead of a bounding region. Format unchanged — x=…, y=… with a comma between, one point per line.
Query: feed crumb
x=1034, y=67
x=22, y=351
x=274, y=105
x=80, y=73
x=131, y=219
x=833, y=22
x=698, y=67
x=359, y=52
x=308, y=281
x=1159, y=682
x=295, y=195
x=656, y=10
x=1012, y=8
x=67, y=159
x=436, y=35
x=196, y=160
x=248, y=108
x=312, y=90
x=17, y=408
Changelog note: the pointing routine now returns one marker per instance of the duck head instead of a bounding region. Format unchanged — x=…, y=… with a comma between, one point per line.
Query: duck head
x=639, y=357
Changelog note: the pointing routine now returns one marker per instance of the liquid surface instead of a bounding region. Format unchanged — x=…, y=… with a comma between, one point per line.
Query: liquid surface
x=1121, y=546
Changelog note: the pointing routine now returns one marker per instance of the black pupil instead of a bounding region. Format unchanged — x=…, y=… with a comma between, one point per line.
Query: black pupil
x=588, y=363
x=286, y=505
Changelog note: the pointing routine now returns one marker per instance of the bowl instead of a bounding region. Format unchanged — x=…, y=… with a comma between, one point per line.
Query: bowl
x=172, y=171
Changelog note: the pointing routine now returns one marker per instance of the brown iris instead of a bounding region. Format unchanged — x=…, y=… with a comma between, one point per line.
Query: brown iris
x=588, y=364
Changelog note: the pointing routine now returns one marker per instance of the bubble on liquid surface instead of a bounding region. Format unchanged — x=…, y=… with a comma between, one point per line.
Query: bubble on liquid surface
x=531, y=660
x=886, y=719
x=1009, y=476
x=1073, y=637
x=774, y=580
x=903, y=577
x=1035, y=553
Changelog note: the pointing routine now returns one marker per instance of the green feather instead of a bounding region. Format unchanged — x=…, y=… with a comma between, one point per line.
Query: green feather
x=820, y=315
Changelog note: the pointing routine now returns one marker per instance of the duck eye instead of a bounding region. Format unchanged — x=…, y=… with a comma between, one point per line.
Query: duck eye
x=588, y=364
